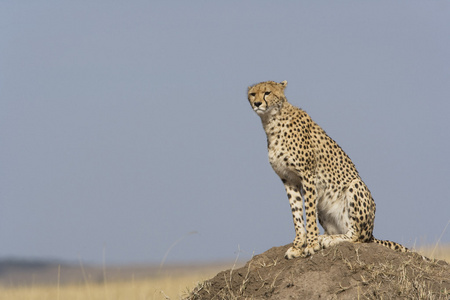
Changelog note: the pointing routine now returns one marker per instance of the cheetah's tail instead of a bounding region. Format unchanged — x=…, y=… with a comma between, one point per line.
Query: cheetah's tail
x=392, y=245
x=396, y=246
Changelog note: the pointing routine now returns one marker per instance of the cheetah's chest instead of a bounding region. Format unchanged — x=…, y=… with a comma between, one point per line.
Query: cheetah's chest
x=282, y=162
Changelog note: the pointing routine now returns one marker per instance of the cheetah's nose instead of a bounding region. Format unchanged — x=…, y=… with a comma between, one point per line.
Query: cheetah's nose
x=257, y=104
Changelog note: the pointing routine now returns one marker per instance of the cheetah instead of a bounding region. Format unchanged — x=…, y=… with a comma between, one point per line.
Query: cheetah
x=314, y=168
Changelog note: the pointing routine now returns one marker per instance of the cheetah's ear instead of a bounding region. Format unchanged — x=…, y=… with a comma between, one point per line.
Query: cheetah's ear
x=284, y=83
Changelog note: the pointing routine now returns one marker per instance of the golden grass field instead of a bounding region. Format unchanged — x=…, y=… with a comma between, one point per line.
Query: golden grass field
x=161, y=287
x=155, y=288
x=173, y=286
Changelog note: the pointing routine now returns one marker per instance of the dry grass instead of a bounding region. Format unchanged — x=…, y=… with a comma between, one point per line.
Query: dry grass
x=173, y=287
x=162, y=287
x=407, y=280
x=436, y=252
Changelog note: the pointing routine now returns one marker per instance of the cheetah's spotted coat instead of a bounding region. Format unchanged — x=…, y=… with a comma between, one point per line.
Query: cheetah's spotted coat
x=312, y=166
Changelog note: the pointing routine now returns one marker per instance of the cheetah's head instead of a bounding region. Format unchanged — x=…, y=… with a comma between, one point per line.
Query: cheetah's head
x=267, y=97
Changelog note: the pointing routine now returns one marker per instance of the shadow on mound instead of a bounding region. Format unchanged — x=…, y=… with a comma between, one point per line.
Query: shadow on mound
x=347, y=271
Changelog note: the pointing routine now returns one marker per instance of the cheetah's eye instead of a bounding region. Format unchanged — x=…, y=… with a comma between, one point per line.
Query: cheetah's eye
x=266, y=93
x=253, y=94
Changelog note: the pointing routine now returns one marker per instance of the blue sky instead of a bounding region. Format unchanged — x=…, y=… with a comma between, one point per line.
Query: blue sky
x=125, y=126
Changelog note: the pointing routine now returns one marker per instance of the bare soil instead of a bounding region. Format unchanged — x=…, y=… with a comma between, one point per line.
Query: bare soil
x=347, y=271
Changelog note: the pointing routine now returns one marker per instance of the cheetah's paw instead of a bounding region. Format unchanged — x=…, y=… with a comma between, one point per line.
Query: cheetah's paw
x=293, y=253
x=327, y=241
x=311, y=249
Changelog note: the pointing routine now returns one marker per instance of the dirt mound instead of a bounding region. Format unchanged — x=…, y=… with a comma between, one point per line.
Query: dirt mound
x=347, y=271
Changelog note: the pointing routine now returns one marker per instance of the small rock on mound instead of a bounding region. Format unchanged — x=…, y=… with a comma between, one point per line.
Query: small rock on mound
x=347, y=271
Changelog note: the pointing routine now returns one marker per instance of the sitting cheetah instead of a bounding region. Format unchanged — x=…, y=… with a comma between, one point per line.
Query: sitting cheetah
x=312, y=165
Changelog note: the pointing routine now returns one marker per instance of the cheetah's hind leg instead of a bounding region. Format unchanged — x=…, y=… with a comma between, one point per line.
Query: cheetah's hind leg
x=326, y=241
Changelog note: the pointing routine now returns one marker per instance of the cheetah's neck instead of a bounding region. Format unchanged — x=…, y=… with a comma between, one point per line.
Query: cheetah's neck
x=281, y=118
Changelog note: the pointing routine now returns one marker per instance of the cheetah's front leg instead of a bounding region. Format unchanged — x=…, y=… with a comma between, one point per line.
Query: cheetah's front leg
x=312, y=231
x=295, y=200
